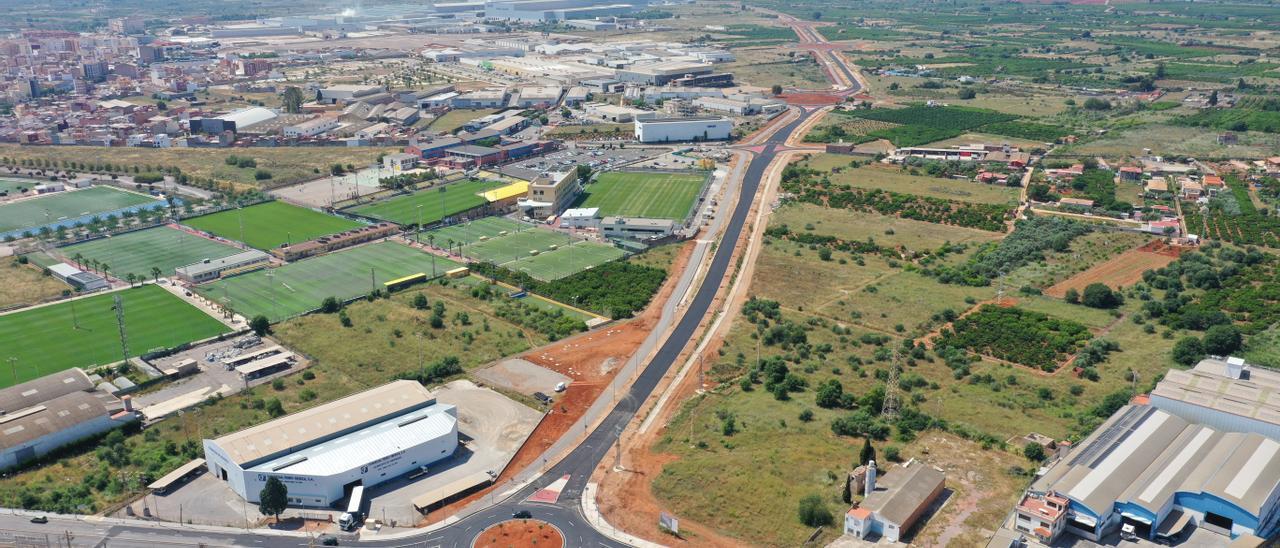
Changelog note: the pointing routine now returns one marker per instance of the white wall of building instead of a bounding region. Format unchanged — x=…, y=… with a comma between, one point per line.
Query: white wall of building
x=694, y=129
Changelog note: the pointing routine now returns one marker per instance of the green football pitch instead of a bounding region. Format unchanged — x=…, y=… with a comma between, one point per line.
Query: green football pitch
x=436, y=205
x=515, y=245
x=474, y=231
x=566, y=261
x=634, y=194
x=138, y=252
x=299, y=287
x=45, y=340
x=270, y=224
x=68, y=206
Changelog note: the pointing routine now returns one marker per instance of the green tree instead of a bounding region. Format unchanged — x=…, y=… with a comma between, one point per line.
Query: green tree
x=1072, y=296
x=1033, y=451
x=967, y=93
x=1188, y=351
x=273, y=498
x=584, y=173
x=291, y=100
x=868, y=453
x=1222, y=340
x=420, y=301
x=1097, y=295
x=813, y=512
x=776, y=89
x=847, y=495
x=260, y=325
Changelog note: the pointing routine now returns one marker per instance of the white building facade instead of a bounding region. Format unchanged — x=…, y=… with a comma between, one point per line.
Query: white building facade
x=665, y=130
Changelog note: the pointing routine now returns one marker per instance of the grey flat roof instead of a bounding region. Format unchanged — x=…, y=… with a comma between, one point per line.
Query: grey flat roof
x=473, y=150
x=213, y=265
x=304, y=428
x=48, y=387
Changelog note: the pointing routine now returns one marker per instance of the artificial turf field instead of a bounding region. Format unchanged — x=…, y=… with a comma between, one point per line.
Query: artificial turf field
x=270, y=224
x=634, y=194
x=474, y=231
x=566, y=261
x=300, y=286
x=68, y=205
x=161, y=247
x=458, y=197
x=515, y=245
x=44, y=340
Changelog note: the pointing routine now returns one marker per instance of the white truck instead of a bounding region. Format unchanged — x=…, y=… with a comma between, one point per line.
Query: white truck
x=353, y=517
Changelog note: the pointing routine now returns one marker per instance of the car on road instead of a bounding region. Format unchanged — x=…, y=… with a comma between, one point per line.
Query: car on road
x=327, y=540
x=40, y=519
x=523, y=514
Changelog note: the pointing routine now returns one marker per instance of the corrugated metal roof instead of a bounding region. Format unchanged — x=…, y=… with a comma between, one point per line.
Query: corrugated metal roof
x=48, y=387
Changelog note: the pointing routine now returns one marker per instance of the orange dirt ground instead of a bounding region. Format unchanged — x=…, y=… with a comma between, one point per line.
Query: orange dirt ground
x=626, y=499
x=583, y=358
x=811, y=99
x=525, y=533
x=1122, y=270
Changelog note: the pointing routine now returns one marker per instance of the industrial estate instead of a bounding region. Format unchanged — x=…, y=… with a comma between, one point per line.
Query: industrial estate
x=697, y=273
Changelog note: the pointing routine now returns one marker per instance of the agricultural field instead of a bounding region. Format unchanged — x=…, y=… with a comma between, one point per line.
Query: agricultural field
x=1233, y=217
x=808, y=185
x=883, y=229
x=47, y=339
x=437, y=203
x=138, y=252
x=1021, y=336
x=1120, y=271
x=69, y=206
x=919, y=124
x=894, y=179
x=268, y=225
x=25, y=284
x=636, y=194
x=287, y=165
x=299, y=287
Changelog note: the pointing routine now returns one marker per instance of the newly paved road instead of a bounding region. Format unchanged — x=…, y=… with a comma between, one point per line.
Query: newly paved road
x=578, y=465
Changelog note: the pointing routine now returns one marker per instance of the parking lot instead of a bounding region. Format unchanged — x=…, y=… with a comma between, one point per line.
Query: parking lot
x=213, y=378
x=600, y=158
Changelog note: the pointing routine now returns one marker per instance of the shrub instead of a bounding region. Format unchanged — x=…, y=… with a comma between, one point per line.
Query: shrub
x=814, y=512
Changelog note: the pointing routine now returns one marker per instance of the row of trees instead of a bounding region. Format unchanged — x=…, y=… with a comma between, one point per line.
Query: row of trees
x=618, y=289
x=1028, y=242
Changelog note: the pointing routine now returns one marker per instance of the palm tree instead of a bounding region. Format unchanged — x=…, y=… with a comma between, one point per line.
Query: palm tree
x=132, y=278
x=104, y=268
x=431, y=240
x=450, y=245
x=94, y=263
x=155, y=274
x=78, y=259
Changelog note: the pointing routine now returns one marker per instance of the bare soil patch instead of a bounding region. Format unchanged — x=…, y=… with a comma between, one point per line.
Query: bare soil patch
x=1120, y=271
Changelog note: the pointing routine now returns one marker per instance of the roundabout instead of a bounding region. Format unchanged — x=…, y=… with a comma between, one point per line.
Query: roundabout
x=520, y=533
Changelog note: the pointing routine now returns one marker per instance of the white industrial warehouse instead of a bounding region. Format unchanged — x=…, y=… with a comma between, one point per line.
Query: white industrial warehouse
x=693, y=128
x=363, y=439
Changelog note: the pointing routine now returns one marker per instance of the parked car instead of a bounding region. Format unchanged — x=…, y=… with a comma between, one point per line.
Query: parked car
x=40, y=519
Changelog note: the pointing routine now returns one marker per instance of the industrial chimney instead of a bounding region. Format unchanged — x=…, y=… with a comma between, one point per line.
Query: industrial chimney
x=871, y=479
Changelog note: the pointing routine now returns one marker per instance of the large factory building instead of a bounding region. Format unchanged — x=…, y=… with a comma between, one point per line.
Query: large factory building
x=363, y=439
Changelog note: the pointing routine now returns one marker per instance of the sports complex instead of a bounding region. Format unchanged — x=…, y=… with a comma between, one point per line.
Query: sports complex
x=299, y=287
x=436, y=203
x=84, y=332
x=539, y=252
x=268, y=225
x=655, y=195
x=162, y=247
x=70, y=207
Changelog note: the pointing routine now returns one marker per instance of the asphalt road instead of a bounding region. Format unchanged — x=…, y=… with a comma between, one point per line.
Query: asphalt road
x=578, y=465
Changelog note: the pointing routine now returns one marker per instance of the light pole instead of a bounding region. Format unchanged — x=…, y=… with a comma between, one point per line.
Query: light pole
x=13, y=366
x=417, y=231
